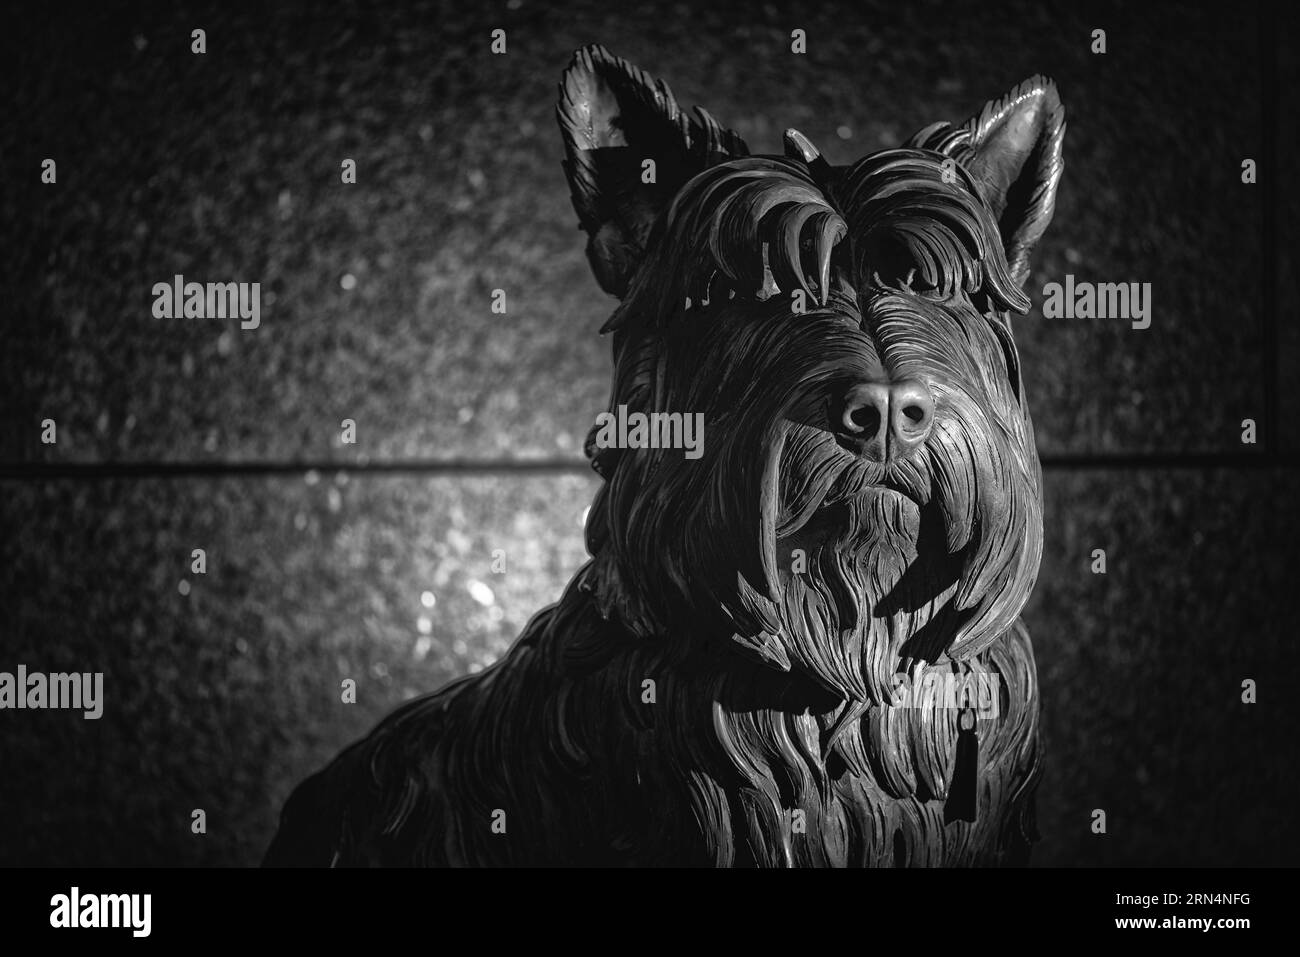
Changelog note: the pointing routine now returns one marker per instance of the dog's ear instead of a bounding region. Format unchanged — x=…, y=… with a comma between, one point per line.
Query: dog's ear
x=1012, y=148
x=614, y=118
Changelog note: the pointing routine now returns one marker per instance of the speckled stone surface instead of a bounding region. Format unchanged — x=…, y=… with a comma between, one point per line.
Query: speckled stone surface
x=225, y=697
x=377, y=307
x=223, y=688
x=377, y=296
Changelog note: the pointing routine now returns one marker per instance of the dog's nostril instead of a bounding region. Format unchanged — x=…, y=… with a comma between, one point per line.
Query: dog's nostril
x=864, y=410
x=865, y=418
x=913, y=414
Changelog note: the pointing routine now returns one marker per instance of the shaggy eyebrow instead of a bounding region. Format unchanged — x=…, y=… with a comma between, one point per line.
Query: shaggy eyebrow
x=899, y=201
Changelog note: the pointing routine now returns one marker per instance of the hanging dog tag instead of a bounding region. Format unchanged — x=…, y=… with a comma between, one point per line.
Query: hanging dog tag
x=963, y=793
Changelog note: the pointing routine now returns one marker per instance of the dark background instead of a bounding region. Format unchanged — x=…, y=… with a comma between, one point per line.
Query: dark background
x=225, y=167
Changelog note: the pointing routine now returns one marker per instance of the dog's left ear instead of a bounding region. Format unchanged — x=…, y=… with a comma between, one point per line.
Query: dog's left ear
x=1012, y=148
x=628, y=150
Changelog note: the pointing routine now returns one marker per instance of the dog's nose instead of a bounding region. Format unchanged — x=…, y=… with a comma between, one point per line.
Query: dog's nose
x=886, y=420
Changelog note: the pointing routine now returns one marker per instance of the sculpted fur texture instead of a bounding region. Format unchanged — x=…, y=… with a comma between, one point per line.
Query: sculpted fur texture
x=720, y=684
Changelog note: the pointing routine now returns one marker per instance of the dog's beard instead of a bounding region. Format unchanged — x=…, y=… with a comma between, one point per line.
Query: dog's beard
x=853, y=551
x=877, y=557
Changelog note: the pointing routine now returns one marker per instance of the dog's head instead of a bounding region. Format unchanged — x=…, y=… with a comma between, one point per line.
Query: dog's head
x=867, y=489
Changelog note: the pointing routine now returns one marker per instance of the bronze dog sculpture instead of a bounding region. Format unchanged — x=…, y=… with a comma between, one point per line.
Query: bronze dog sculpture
x=720, y=684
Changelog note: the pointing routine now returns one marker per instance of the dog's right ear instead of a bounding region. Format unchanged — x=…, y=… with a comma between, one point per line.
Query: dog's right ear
x=1012, y=148
x=628, y=150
